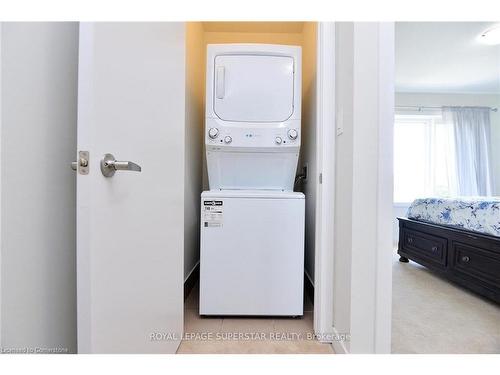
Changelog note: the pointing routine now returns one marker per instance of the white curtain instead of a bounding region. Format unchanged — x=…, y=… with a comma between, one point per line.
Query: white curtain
x=472, y=148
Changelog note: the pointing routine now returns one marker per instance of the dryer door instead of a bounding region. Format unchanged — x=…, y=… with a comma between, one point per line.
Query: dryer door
x=253, y=88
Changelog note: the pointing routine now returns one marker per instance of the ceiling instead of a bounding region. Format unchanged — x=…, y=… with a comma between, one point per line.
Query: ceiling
x=444, y=57
x=254, y=27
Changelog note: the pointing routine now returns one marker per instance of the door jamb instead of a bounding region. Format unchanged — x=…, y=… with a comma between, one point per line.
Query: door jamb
x=325, y=190
x=326, y=131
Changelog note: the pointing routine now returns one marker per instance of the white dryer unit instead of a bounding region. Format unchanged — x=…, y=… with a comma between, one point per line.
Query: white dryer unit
x=252, y=253
x=252, y=119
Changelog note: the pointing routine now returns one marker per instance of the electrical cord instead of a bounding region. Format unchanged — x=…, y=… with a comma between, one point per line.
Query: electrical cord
x=299, y=177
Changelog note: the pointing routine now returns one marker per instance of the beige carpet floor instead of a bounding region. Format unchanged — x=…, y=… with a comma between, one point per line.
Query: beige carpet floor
x=433, y=315
x=217, y=335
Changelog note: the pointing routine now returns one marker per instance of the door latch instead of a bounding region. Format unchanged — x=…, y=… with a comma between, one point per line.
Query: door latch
x=82, y=165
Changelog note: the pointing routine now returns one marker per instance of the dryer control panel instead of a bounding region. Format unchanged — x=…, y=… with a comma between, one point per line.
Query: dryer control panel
x=285, y=135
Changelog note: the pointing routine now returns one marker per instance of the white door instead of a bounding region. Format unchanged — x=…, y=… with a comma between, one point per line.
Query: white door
x=256, y=88
x=130, y=225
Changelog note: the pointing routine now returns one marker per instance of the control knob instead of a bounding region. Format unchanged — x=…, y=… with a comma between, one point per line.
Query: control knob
x=228, y=139
x=213, y=133
x=278, y=140
x=293, y=134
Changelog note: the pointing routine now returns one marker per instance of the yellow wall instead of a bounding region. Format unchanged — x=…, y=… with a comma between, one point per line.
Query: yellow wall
x=195, y=90
x=254, y=27
x=241, y=37
x=290, y=33
x=198, y=35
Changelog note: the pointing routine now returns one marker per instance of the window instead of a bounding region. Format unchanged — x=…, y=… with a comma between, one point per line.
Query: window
x=424, y=158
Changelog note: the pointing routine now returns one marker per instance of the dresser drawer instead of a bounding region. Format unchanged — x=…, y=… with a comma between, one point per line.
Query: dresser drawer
x=424, y=246
x=478, y=263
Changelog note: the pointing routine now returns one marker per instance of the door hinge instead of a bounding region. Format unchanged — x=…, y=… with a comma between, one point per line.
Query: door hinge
x=321, y=178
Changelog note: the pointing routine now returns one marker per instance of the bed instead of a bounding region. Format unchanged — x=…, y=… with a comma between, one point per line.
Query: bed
x=458, y=238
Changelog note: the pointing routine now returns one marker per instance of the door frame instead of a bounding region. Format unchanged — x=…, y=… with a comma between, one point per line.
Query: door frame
x=325, y=188
x=369, y=300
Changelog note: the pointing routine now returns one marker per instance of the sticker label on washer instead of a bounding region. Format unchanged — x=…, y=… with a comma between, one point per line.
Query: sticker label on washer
x=212, y=213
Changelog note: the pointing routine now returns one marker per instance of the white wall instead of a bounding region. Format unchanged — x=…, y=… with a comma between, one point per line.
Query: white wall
x=38, y=142
x=435, y=99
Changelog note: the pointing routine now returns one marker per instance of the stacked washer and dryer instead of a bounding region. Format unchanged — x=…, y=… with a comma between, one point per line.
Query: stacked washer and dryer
x=252, y=222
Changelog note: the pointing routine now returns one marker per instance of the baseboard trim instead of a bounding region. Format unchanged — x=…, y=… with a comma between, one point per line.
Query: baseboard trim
x=339, y=347
x=192, y=270
x=191, y=280
x=309, y=286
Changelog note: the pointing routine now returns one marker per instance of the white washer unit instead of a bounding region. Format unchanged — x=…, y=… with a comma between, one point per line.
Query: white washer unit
x=252, y=223
x=252, y=253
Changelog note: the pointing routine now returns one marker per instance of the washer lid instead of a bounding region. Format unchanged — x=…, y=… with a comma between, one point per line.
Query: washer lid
x=253, y=88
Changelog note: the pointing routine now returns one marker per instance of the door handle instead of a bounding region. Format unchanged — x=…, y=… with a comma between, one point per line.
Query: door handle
x=109, y=165
x=220, y=86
